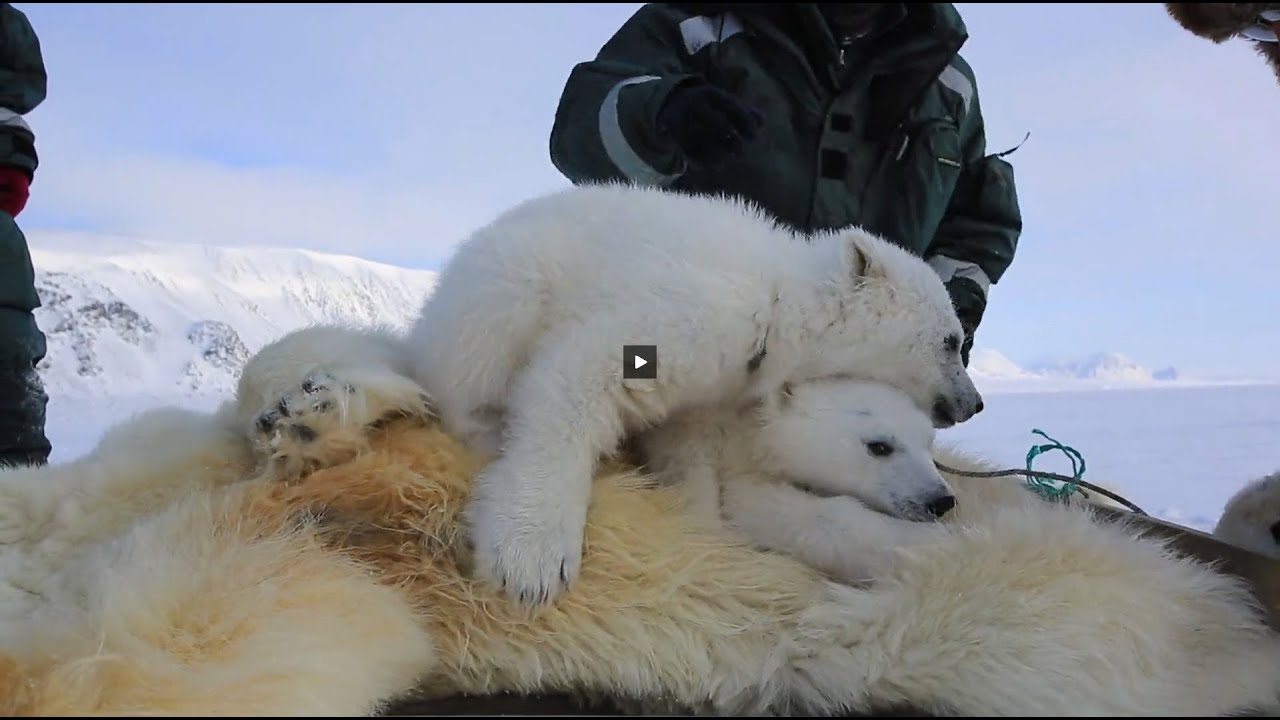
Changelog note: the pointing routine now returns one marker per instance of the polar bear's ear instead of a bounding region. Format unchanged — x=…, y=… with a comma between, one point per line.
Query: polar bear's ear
x=864, y=258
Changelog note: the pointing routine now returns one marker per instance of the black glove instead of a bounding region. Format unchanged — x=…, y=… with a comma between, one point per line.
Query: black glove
x=970, y=304
x=706, y=123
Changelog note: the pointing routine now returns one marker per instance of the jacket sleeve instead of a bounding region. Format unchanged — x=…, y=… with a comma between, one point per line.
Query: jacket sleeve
x=977, y=239
x=22, y=88
x=604, y=125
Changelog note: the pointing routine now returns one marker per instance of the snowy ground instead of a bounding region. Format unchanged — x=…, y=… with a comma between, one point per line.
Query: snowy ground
x=1179, y=453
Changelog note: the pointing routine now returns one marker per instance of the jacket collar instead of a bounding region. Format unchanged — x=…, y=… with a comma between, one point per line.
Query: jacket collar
x=922, y=36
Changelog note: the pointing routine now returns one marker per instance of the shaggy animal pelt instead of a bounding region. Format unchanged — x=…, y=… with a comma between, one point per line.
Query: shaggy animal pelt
x=350, y=587
x=1220, y=22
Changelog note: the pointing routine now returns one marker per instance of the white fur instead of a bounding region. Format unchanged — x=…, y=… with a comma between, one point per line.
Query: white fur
x=839, y=473
x=520, y=344
x=49, y=515
x=1251, y=517
x=193, y=608
x=335, y=381
x=363, y=377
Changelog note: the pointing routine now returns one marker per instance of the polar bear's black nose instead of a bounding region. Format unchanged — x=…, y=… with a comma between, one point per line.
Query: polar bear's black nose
x=940, y=505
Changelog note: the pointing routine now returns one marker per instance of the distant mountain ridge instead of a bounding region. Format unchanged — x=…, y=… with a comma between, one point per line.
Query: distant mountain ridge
x=124, y=317
x=1103, y=370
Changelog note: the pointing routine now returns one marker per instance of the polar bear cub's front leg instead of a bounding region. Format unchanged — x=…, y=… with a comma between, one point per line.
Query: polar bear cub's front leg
x=569, y=406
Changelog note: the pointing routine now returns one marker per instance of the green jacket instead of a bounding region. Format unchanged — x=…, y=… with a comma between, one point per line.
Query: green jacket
x=22, y=87
x=22, y=344
x=887, y=134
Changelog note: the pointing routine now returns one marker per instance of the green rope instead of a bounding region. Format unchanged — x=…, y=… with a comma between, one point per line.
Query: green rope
x=1048, y=488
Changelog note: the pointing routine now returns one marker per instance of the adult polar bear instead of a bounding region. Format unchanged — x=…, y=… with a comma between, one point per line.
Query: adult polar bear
x=196, y=588
x=520, y=344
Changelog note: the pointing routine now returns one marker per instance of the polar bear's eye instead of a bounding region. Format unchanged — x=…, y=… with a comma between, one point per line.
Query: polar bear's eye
x=951, y=344
x=879, y=448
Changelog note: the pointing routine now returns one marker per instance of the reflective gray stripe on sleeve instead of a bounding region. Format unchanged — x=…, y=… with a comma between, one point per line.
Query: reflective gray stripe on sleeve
x=955, y=81
x=948, y=268
x=620, y=152
x=9, y=117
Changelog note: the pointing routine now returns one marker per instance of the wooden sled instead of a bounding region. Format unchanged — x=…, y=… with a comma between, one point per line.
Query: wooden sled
x=1262, y=572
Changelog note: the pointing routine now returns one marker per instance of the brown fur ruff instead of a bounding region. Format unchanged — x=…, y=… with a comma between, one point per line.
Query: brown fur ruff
x=1220, y=22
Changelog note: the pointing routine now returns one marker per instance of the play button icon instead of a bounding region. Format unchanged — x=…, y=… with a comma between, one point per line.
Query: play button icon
x=639, y=362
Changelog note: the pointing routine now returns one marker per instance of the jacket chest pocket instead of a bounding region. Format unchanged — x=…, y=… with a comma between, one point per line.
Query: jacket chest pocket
x=928, y=163
x=931, y=156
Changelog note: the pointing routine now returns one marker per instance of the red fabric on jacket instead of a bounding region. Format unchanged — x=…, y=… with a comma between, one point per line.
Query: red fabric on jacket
x=15, y=188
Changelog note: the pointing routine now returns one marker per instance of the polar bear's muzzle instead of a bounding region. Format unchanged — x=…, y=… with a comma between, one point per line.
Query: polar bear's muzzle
x=913, y=489
x=961, y=403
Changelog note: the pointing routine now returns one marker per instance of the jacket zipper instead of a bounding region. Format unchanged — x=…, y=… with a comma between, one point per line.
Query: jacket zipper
x=826, y=112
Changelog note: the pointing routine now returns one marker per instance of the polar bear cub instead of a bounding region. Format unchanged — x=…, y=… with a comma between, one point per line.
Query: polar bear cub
x=1251, y=516
x=836, y=473
x=520, y=345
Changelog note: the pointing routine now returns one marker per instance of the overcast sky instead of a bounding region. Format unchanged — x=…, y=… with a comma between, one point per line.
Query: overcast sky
x=1149, y=182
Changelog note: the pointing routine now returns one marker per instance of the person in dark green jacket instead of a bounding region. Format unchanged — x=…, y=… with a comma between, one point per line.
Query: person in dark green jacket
x=825, y=114
x=22, y=344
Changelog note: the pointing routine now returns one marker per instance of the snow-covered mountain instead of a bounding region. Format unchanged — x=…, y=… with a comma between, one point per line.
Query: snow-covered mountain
x=1103, y=367
x=993, y=371
x=124, y=317
x=130, y=318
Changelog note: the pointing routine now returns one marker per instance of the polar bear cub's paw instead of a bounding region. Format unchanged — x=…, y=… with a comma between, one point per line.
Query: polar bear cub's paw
x=326, y=419
x=527, y=543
